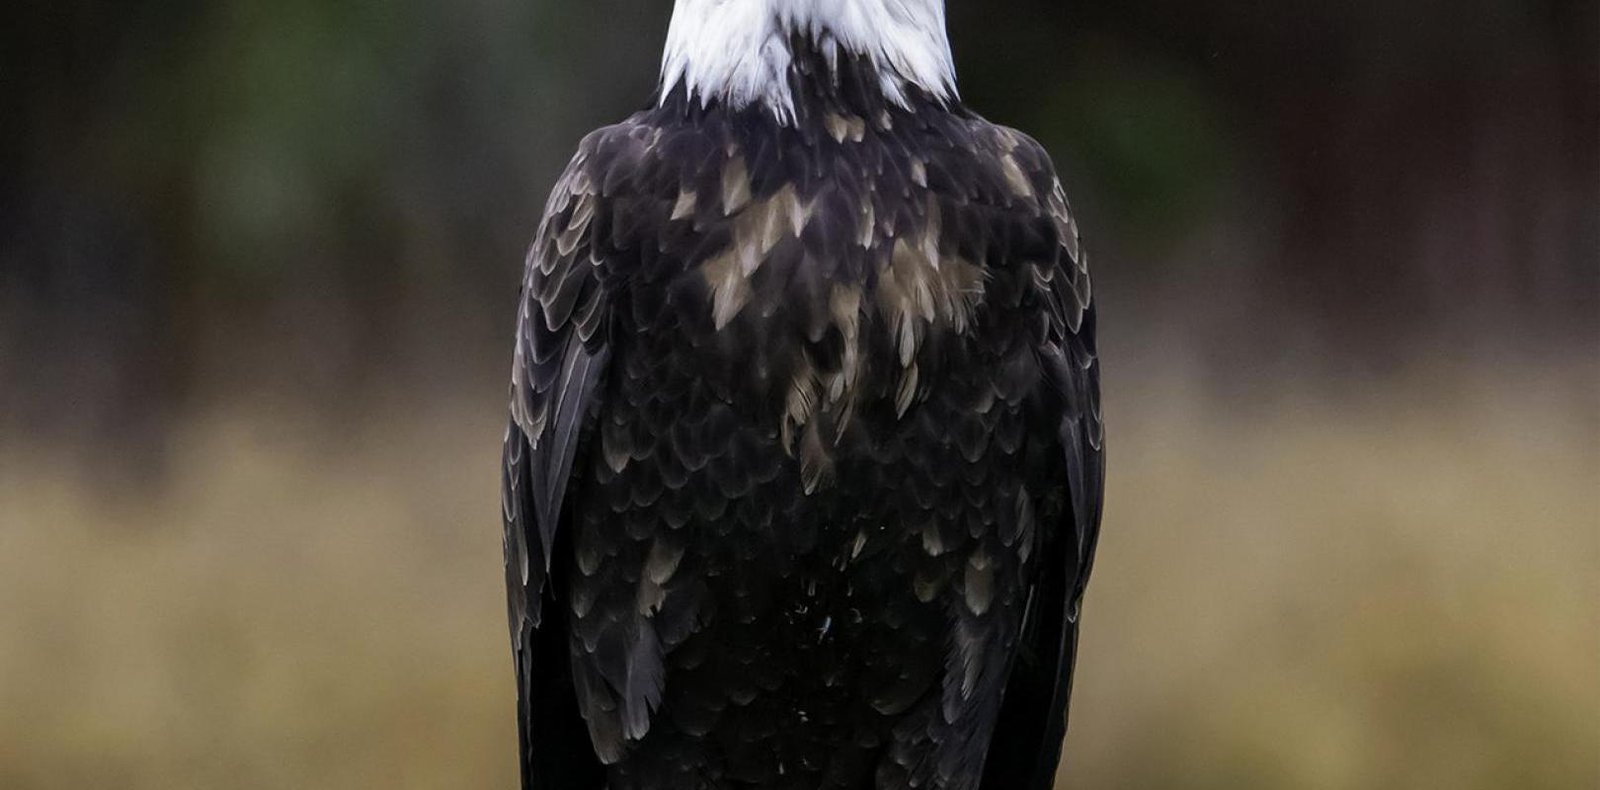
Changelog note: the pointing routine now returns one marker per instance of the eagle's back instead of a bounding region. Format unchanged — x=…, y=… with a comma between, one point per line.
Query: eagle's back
x=822, y=460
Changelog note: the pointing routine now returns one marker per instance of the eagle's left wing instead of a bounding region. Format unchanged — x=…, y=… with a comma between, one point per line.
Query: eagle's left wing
x=562, y=352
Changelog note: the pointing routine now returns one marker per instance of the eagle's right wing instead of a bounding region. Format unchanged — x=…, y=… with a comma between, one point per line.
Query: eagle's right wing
x=1026, y=746
x=562, y=351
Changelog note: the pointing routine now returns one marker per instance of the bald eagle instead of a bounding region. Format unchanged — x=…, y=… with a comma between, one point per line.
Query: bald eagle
x=803, y=474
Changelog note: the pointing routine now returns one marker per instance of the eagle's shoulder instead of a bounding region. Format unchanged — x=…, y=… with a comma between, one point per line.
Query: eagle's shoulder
x=1010, y=159
x=1035, y=198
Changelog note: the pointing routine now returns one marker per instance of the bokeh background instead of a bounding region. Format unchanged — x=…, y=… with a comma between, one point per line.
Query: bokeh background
x=258, y=264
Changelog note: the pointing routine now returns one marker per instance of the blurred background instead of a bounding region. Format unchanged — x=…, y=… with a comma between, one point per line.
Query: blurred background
x=258, y=264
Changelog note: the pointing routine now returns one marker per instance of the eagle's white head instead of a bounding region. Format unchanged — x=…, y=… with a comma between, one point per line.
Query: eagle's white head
x=738, y=51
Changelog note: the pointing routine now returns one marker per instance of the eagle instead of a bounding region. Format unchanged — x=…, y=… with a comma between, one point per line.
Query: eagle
x=803, y=473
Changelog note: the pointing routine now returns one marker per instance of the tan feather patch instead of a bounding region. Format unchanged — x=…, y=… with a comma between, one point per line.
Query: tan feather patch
x=868, y=230
x=688, y=201
x=908, y=391
x=730, y=288
x=1015, y=178
x=802, y=400
x=844, y=305
x=758, y=227
x=914, y=293
x=650, y=596
x=735, y=186
x=845, y=127
x=816, y=466
x=764, y=223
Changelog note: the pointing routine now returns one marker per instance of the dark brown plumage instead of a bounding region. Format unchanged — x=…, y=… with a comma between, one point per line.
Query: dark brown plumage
x=803, y=473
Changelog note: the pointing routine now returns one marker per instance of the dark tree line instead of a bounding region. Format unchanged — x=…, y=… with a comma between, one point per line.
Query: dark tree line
x=320, y=199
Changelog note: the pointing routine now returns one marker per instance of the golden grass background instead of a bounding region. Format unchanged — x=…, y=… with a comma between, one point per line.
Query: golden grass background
x=1388, y=588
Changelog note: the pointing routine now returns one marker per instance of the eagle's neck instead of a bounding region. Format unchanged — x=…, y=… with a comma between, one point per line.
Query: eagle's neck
x=784, y=54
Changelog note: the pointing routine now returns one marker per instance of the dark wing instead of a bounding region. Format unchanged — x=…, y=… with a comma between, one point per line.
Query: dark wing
x=1026, y=746
x=561, y=355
